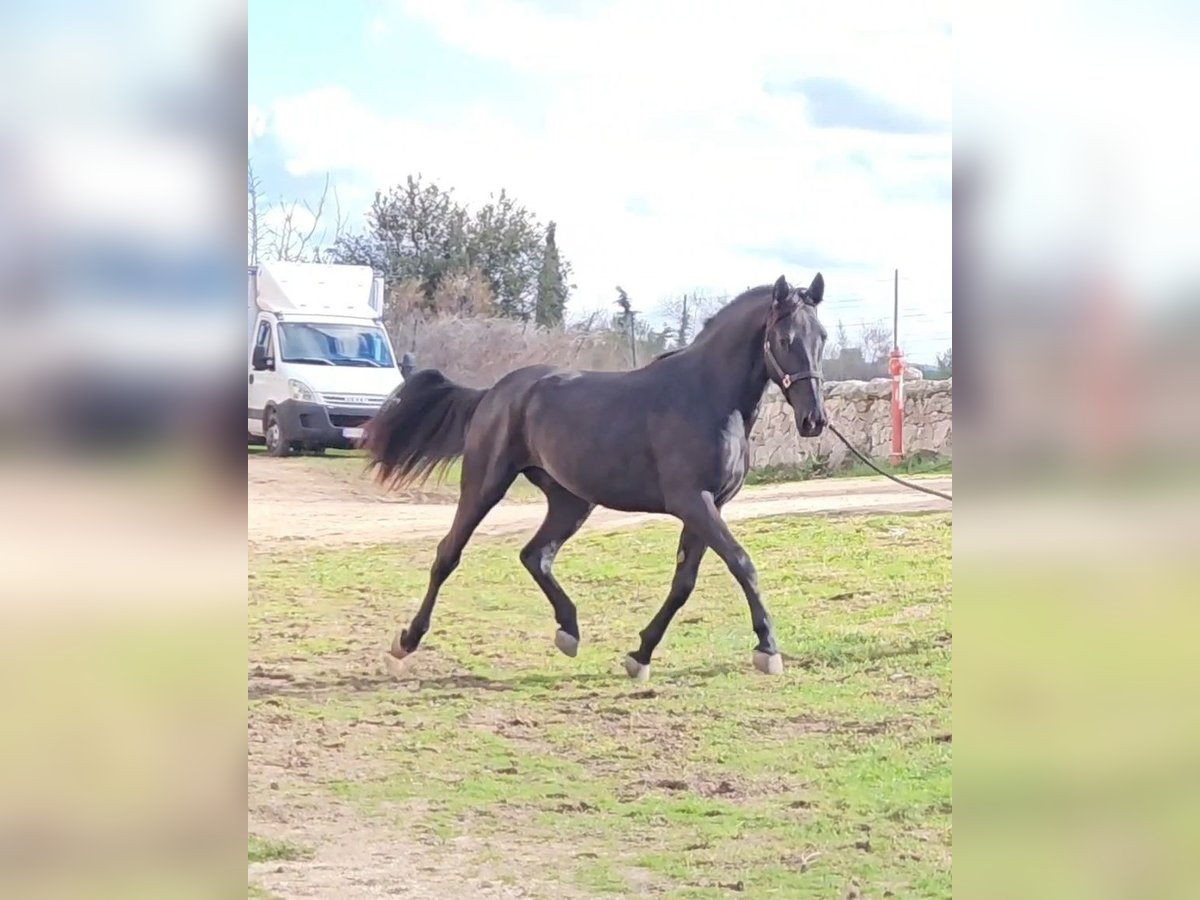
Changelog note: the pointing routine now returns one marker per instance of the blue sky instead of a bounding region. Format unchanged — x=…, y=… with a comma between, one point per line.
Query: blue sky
x=679, y=146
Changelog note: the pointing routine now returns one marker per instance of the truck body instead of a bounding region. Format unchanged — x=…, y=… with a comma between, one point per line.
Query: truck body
x=320, y=361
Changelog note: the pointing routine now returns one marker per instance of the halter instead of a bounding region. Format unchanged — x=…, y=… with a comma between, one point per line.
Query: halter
x=784, y=379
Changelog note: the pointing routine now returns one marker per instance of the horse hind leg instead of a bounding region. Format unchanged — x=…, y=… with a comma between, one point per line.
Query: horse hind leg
x=481, y=488
x=687, y=566
x=565, y=515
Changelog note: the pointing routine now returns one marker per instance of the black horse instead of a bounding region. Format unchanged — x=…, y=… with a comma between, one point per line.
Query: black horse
x=671, y=437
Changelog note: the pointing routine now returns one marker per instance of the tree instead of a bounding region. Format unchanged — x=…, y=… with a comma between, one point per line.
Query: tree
x=680, y=312
x=841, y=340
x=684, y=311
x=464, y=294
x=253, y=214
x=876, y=343
x=292, y=228
x=861, y=360
x=551, y=290
x=417, y=232
x=624, y=321
x=363, y=250
x=945, y=362
x=289, y=231
x=652, y=341
x=505, y=243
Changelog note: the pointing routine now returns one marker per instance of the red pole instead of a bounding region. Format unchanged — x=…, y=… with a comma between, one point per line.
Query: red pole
x=896, y=367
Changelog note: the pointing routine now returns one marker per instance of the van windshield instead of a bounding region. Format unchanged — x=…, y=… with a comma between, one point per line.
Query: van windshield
x=330, y=344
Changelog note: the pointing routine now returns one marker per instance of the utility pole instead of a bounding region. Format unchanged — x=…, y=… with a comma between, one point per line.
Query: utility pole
x=627, y=315
x=896, y=368
x=632, y=339
x=896, y=311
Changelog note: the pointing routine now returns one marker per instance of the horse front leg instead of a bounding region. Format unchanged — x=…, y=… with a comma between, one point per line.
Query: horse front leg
x=701, y=516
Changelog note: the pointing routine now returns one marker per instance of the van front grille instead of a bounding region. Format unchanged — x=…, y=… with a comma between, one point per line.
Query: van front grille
x=344, y=421
x=354, y=399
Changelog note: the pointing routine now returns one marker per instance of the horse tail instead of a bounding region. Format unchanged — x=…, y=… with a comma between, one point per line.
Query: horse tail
x=421, y=427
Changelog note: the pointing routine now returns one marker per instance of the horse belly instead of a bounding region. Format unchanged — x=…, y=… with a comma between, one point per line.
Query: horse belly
x=607, y=475
x=598, y=454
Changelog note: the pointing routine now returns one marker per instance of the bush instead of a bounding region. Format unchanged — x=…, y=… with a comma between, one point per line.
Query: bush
x=479, y=351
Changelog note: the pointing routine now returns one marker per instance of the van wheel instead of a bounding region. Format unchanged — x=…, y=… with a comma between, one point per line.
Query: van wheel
x=276, y=445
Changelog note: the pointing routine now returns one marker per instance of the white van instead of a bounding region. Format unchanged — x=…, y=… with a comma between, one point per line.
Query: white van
x=321, y=363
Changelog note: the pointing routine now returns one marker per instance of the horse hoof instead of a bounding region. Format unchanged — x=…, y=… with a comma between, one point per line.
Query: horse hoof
x=399, y=651
x=768, y=663
x=566, y=643
x=394, y=664
x=636, y=670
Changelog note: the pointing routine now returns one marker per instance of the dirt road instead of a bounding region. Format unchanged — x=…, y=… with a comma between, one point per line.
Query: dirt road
x=328, y=502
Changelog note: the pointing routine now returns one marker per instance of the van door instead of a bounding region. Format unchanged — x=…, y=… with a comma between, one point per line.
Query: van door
x=263, y=381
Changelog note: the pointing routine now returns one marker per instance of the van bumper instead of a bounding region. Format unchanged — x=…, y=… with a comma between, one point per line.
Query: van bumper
x=315, y=425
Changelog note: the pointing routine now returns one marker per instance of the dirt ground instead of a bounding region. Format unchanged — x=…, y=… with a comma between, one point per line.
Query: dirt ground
x=304, y=500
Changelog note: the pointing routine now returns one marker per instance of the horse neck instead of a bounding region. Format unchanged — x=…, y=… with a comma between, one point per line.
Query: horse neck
x=734, y=367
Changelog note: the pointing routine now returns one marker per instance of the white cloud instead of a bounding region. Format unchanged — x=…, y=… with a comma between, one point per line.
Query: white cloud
x=664, y=107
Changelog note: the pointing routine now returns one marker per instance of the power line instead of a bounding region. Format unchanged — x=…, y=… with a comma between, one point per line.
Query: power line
x=866, y=323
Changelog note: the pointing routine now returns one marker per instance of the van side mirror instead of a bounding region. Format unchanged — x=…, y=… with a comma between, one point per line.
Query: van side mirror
x=259, y=359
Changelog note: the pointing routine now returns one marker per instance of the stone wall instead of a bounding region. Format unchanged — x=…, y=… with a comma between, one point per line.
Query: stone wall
x=861, y=410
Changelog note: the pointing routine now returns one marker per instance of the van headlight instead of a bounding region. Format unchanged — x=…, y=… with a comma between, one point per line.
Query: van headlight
x=301, y=391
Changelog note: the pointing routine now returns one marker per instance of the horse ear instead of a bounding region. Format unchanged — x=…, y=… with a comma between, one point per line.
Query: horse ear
x=816, y=290
x=781, y=291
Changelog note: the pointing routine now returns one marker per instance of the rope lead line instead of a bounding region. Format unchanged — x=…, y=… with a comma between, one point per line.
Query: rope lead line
x=907, y=484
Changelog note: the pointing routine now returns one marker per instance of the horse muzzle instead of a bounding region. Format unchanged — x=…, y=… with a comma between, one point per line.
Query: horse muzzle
x=812, y=424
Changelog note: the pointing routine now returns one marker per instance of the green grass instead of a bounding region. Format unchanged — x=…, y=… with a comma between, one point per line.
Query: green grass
x=263, y=850
x=917, y=464
x=709, y=777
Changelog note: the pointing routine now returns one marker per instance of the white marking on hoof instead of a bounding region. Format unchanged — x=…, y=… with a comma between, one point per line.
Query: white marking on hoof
x=566, y=643
x=636, y=670
x=768, y=663
x=394, y=664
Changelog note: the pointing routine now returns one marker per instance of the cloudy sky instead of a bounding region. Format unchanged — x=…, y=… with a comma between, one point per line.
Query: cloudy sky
x=679, y=145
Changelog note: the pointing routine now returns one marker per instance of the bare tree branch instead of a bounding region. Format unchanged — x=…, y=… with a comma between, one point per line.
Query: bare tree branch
x=253, y=234
x=687, y=313
x=316, y=217
x=289, y=240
